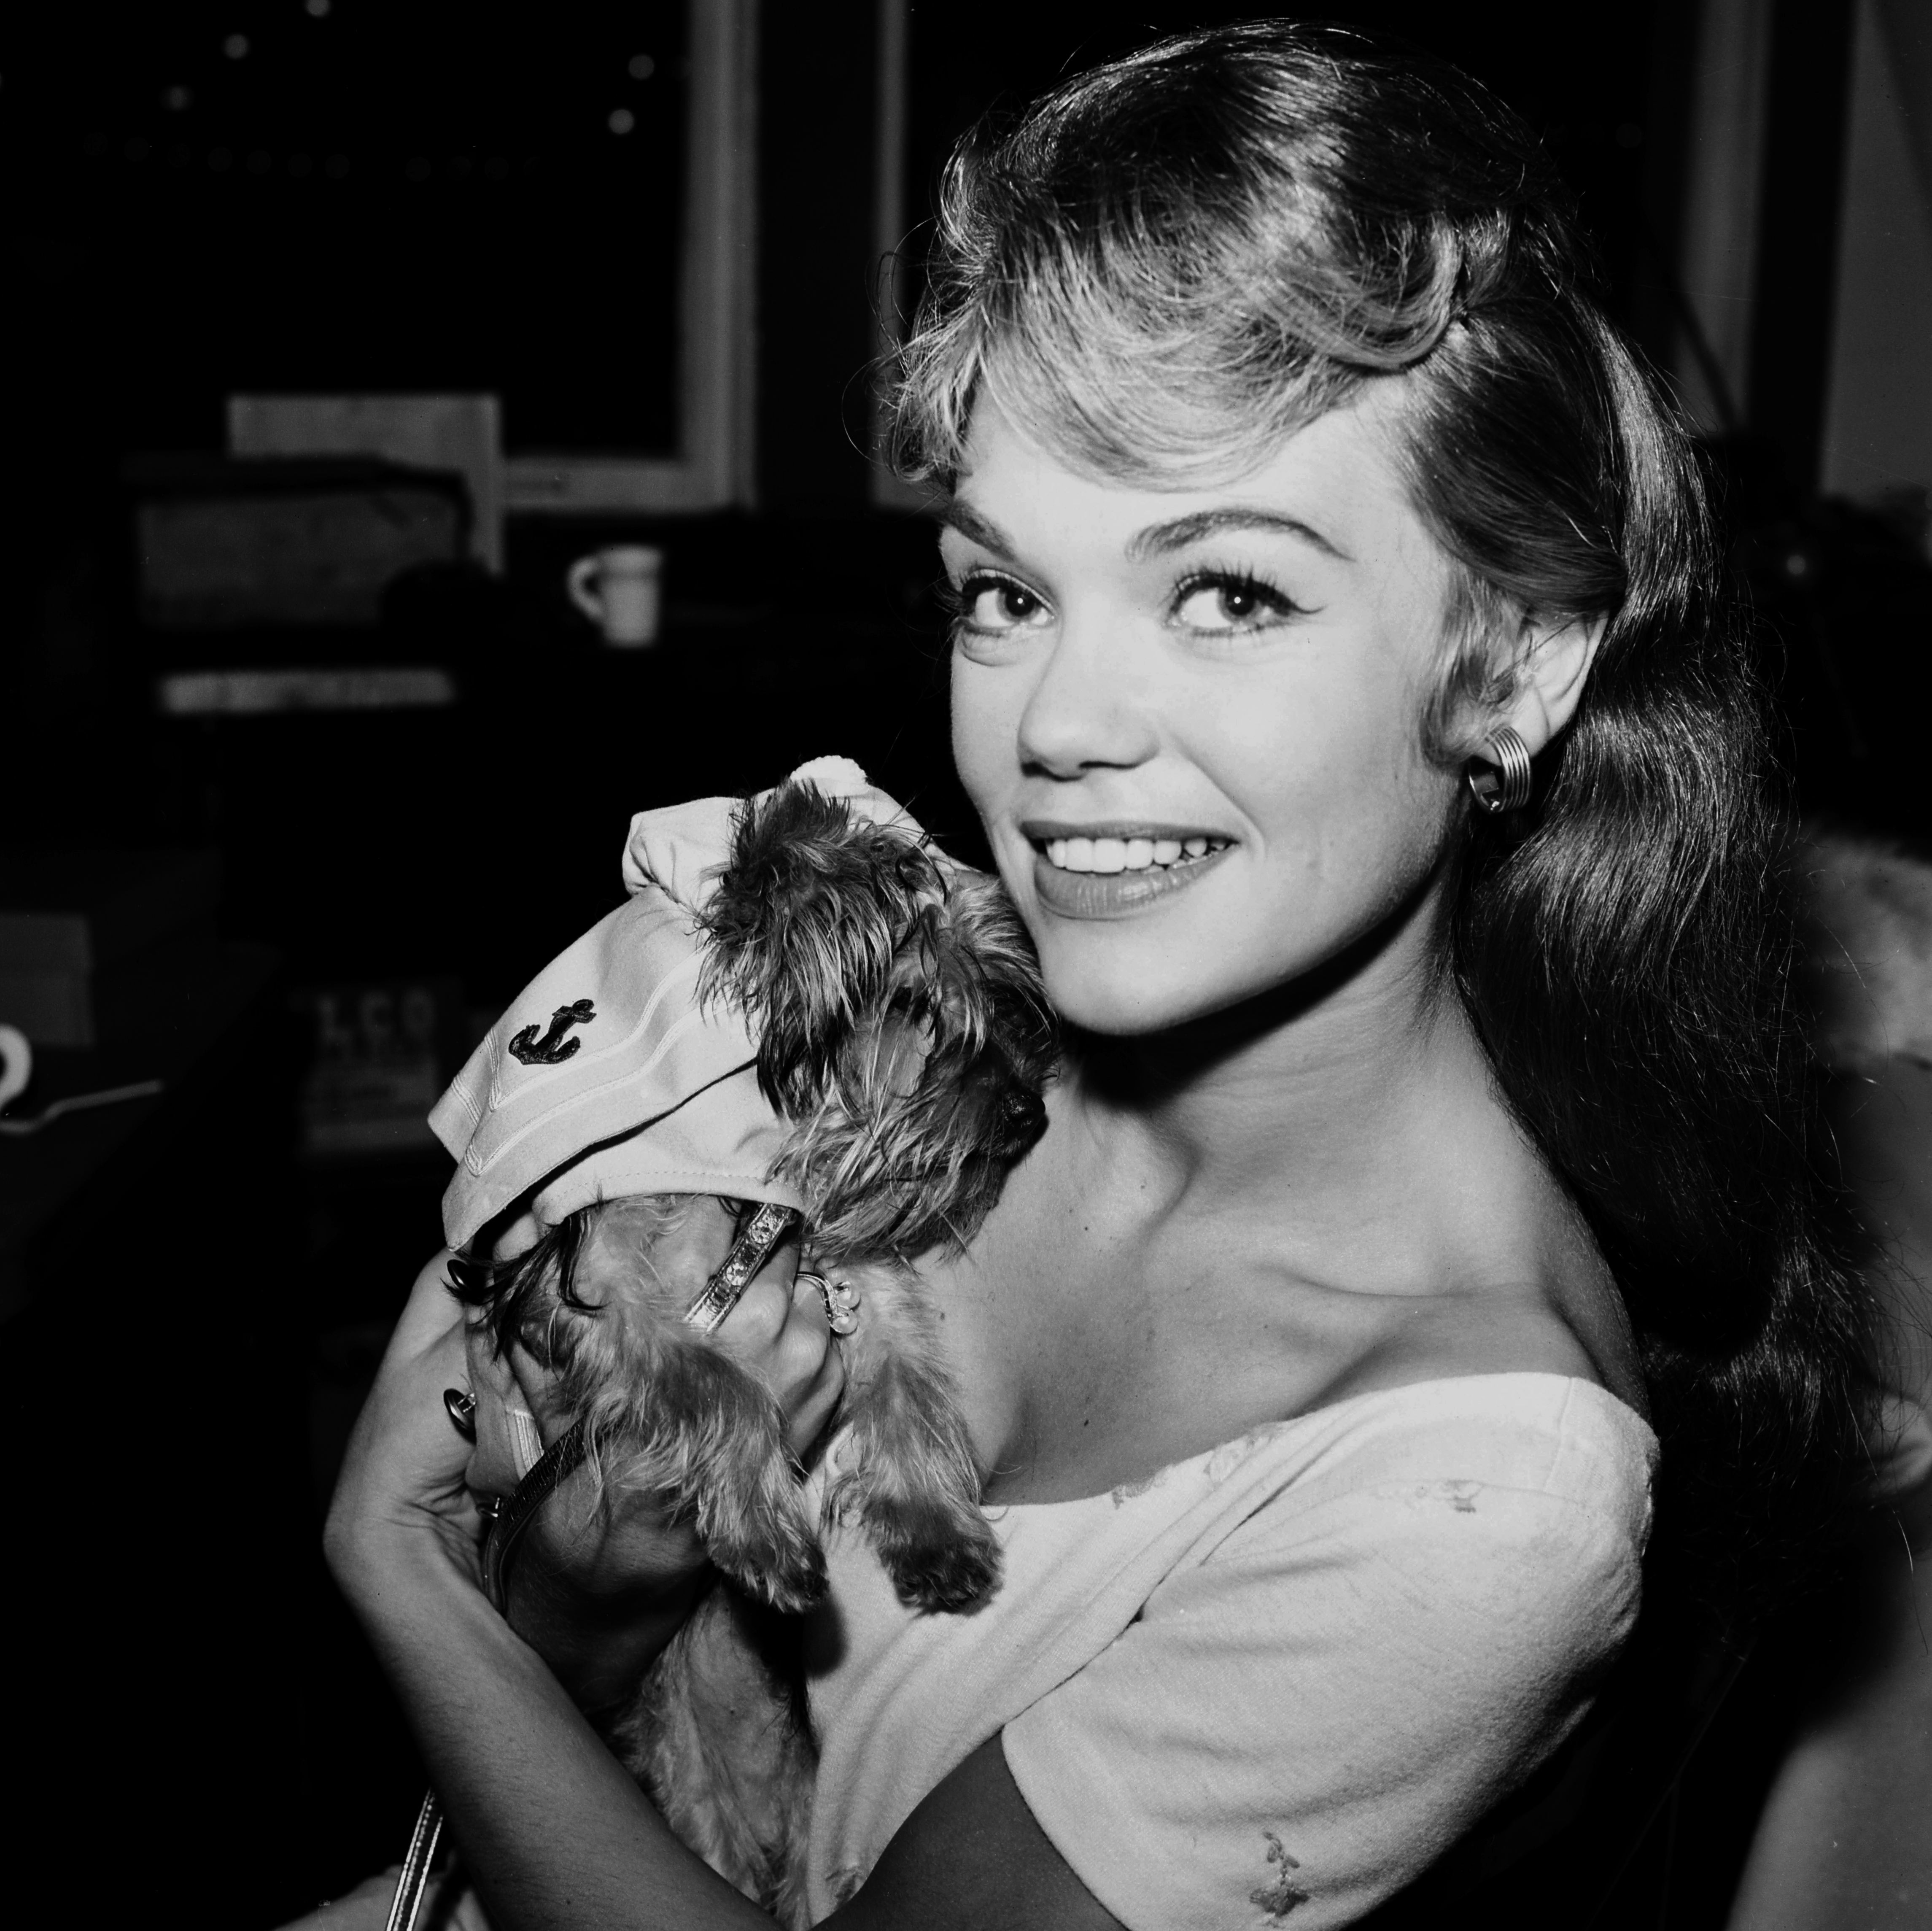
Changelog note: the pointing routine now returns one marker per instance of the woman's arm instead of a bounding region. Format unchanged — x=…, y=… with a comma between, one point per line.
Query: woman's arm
x=555, y=1833
x=553, y=1830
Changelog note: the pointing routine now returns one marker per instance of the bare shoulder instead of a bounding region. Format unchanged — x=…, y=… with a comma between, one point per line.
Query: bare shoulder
x=1573, y=1325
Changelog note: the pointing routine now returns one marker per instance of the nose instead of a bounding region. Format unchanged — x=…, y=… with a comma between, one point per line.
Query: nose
x=1090, y=707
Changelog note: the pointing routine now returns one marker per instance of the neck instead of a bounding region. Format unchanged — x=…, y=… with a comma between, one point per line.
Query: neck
x=1319, y=1089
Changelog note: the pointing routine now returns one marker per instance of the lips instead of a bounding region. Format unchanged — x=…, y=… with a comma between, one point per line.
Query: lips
x=1115, y=872
x=1130, y=854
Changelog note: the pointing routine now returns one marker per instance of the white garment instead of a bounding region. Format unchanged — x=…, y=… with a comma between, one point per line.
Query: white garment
x=1281, y=1677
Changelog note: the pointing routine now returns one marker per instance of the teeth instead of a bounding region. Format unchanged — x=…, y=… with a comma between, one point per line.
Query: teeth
x=1124, y=854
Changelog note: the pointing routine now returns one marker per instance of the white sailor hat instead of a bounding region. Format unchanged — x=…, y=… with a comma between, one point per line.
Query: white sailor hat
x=606, y=1077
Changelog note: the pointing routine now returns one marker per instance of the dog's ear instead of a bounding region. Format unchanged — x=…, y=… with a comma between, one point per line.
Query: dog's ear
x=809, y=912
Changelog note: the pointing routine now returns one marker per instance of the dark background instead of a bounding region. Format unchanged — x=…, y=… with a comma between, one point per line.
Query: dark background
x=426, y=195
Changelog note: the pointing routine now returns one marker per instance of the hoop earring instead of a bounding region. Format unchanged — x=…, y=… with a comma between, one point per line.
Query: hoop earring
x=1505, y=786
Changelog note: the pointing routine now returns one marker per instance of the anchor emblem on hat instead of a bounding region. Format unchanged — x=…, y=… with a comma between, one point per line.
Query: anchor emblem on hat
x=553, y=1047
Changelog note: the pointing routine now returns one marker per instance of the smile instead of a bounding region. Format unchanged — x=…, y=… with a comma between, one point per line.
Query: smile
x=1125, y=855
x=1114, y=872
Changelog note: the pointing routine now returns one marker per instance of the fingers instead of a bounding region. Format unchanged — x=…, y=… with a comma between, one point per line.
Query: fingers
x=687, y=1253
x=405, y=1465
x=758, y=1324
x=500, y=1460
x=426, y=1313
x=806, y=1415
x=425, y=1441
x=779, y=1331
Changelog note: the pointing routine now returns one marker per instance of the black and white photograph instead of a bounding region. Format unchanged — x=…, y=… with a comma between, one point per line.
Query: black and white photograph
x=967, y=966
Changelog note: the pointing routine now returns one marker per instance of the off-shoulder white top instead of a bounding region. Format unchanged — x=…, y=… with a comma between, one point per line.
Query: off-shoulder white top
x=1274, y=1682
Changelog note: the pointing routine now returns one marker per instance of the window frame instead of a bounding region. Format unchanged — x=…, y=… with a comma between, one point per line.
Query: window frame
x=714, y=467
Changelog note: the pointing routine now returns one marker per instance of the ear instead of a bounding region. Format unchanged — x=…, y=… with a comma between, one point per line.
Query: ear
x=1551, y=669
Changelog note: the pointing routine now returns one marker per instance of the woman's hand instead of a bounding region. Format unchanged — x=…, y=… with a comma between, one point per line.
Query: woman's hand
x=601, y=1579
x=611, y=1546
x=403, y=1493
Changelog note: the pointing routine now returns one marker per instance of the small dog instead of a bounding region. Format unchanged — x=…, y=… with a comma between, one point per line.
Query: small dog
x=903, y=1036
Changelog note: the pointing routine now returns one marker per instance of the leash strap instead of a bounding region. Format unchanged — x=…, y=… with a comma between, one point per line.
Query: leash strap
x=561, y=1459
x=407, y=1905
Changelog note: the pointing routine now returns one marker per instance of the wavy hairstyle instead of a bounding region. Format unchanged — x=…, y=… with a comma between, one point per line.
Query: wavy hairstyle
x=1169, y=264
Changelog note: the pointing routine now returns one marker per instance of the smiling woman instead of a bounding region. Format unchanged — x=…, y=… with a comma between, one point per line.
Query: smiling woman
x=1342, y=675
x=1295, y=476
x=1238, y=670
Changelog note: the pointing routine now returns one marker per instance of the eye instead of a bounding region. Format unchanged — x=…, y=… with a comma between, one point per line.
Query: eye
x=1225, y=602
x=991, y=604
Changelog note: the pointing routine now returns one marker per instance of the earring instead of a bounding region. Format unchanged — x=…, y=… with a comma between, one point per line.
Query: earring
x=1504, y=785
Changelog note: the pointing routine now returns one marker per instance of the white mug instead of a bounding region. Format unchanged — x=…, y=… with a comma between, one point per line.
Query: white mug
x=620, y=590
x=16, y=1063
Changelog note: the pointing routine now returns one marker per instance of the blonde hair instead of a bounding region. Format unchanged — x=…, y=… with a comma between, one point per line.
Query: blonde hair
x=1169, y=264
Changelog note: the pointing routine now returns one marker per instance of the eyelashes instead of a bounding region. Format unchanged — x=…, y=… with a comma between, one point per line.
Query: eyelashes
x=962, y=603
x=1247, y=602
x=1206, y=602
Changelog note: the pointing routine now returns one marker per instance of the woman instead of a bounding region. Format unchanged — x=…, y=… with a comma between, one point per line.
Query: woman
x=1408, y=1153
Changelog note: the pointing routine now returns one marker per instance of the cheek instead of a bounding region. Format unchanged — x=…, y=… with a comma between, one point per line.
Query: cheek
x=1352, y=817
x=985, y=734
x=1325, y=760
x=1344, y=817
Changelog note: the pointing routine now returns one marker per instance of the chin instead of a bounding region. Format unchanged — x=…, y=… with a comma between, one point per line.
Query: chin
x=1111, y=999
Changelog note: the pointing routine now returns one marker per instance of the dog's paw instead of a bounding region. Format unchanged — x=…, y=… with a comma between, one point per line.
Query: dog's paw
x=756, y=1528
x=940, y=1565
x=792, y=1581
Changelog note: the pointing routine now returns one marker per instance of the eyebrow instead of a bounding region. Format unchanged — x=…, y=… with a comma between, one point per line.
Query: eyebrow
x=1160, y=539
x=954, y=515
x=1157, y=539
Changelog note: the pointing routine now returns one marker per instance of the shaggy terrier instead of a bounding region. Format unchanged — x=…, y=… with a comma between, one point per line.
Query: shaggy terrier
x=904, y=1040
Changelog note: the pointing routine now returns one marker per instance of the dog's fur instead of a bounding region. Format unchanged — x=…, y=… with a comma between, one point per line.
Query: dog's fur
x=904, y=1034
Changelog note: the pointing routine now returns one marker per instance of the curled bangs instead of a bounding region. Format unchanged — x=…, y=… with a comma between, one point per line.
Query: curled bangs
x=1160, y=274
